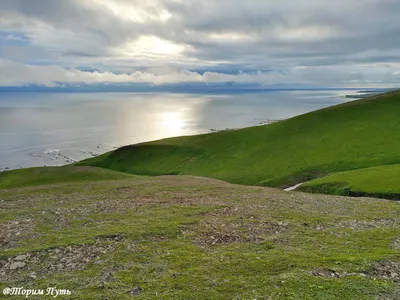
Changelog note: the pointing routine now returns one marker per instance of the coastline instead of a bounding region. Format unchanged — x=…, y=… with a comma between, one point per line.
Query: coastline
x=56, y=146
x=61, y=157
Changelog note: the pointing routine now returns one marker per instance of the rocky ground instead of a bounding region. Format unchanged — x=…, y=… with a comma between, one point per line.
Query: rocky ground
x=196, y=238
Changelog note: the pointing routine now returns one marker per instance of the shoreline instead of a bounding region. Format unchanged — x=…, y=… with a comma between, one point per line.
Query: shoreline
x=69, y=150
x=57, y=157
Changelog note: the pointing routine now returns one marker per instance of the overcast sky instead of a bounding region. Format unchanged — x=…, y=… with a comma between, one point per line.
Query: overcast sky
x=311, y=42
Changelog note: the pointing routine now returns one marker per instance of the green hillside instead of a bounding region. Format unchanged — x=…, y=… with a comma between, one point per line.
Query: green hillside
x=358, y=134
x=52, y=175
x=382, y=181
x=185, y=237
x=101, y=233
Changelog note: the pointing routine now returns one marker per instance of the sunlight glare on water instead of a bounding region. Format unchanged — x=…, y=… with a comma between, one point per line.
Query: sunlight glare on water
x=82, y=125
x=172, y=123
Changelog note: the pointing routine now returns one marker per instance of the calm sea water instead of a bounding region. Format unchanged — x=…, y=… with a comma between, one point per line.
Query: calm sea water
x=39, y=129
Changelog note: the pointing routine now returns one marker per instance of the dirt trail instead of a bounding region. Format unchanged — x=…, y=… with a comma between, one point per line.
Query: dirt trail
x=293, y=187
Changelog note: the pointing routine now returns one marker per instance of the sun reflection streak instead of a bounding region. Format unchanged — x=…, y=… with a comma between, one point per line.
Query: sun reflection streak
x=172, y=123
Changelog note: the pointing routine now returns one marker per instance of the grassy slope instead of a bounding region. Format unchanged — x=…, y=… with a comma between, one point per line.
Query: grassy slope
x=354, y=135
x=52, y=175
x=382, y=181
x=195, y=238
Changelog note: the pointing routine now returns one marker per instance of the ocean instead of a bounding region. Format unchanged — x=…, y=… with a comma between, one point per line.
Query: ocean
x=52, y=129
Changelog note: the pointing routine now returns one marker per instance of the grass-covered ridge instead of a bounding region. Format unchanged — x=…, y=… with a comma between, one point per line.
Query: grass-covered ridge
x=52, y=175
x=180, y=237
x=354, y=135
x=382, y=182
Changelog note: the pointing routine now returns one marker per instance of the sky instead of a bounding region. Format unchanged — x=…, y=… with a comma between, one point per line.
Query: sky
x=344, y=43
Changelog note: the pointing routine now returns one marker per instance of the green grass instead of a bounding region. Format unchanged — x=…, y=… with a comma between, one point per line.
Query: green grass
x=382, y=182
x=52, y=175
x=350, y=136
x=184, y=237
x=103, y=233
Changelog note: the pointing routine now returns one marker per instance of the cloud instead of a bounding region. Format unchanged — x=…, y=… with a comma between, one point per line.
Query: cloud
x=343, y=37
x=12, y=74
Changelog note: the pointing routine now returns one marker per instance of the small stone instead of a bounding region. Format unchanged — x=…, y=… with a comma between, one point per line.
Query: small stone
x=33, y=275
x=21, y=257
x=136, y=290
x=131, y=246
x=71, y=266
x=17, y=265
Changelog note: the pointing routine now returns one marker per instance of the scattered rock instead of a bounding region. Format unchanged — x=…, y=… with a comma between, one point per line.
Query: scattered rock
x=112, y=237
x=137, y=290
x=396, y=243
x=51, y=261
x=22, y=257
x=131, y=246
x=10, y=232
x=389, y=270
x=361, y=225
x=256, y=231
x=17, y=265
x=327, y=273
